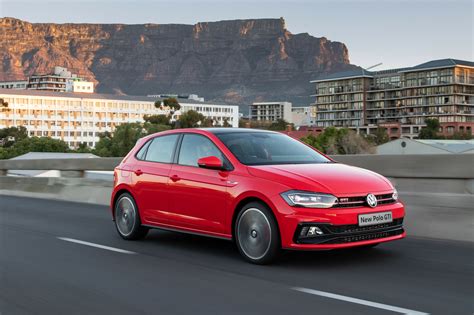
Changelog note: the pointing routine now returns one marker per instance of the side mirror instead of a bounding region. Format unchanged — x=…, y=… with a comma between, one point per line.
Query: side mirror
x=211, y=162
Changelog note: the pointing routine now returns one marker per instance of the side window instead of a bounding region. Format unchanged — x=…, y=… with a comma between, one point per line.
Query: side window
x=194, y=147
x=141, y=153
x=161, y=149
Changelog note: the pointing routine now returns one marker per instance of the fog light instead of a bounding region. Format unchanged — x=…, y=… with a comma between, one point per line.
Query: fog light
x=314, y=230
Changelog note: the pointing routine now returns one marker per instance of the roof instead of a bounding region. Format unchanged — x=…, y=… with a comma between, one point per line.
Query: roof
x=234, y=130
x=433, y=64
x=440, y=63
x=426, y=146
x=115, y=97
x=453, y=146
x=344, y=75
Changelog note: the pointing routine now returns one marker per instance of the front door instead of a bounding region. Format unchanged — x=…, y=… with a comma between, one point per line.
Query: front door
x=199, y=196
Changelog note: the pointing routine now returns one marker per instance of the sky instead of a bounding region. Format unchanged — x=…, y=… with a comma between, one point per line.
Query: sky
x=396, y=33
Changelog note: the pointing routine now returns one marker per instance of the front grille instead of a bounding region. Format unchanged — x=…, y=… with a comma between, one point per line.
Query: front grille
x=360, y=201
x=364, y=237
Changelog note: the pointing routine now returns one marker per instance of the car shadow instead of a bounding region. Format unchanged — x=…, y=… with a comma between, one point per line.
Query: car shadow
x=226, y=251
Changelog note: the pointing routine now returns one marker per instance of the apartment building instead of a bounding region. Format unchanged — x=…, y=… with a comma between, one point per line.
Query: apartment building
x=398, y=99
x=60, y=80
x=80, y=118
x=270, y=111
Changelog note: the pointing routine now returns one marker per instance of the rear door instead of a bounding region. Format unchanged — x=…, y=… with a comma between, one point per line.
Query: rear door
x=151, y=177
x=199, y=196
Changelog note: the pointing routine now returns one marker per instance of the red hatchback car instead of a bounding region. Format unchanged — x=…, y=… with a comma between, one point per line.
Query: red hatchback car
x=262, y=189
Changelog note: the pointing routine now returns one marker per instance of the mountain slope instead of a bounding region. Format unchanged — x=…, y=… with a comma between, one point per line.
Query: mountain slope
x=236, y=61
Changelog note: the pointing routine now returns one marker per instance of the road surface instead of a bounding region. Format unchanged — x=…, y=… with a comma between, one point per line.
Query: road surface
x=66, y=258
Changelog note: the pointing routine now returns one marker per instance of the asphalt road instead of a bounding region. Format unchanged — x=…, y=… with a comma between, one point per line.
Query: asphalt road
x=172, y=273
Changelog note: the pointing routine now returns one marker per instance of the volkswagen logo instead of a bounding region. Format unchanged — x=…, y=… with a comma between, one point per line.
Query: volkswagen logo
x=371, y=200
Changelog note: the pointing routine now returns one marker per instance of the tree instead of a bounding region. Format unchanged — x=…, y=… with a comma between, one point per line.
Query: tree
x=191, y=119
x=154, y=128
x=380, y=136
x=226, y=123
x=431, y=130
x=172, y=103
x=279, y=125
x=3, y=104
x=83, y=148
x=121, y=142
x=34, y=144
x=339, y=141
x=157, y=119
x=17, y=134
x=460, y=135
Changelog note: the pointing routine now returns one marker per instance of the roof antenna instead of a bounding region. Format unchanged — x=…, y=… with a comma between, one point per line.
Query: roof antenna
x=376, y=65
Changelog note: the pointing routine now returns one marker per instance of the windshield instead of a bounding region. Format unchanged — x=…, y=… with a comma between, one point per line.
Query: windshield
x=265, y=148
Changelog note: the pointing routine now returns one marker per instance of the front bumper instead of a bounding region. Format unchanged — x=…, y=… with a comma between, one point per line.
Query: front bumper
x=339, y=225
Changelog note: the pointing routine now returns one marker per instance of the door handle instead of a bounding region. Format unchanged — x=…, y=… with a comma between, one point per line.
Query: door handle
x=138, y=172
x=175, y=178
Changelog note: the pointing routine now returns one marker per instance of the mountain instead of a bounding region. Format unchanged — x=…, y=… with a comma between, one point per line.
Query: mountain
x=237, y=61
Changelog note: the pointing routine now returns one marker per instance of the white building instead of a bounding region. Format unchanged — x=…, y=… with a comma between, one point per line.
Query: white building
x=76, y=86
x=301, y=116
x=421, y=146
x=77, y=118
x=270, y=111
x=16, y=85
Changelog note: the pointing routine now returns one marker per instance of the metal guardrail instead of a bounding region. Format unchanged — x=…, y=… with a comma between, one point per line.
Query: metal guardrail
x=447, y=166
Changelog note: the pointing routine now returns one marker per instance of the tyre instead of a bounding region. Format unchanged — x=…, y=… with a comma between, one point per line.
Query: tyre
x=256, y=234
x=127, y=218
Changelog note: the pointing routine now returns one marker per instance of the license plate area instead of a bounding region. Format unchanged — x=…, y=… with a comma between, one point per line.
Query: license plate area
x=375, y=218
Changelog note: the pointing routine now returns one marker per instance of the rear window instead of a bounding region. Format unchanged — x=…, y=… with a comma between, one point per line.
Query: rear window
x=160, y=149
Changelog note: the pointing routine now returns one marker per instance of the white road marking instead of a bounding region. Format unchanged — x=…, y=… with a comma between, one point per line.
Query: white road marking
x=113, y=249
x=359, y=301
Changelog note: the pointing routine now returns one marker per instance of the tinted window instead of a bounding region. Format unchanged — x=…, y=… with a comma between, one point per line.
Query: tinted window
x=195, y=147
x=264, y=148
x=141, y=154
x=161, y=149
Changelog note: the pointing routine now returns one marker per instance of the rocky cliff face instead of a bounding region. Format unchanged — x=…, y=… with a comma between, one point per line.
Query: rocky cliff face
x=236, y=61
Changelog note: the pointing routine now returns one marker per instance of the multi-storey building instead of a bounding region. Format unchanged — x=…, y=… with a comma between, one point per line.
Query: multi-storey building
x=270, y=111
x=16, y=85
x=60, y=80
x=80, y=118
x=399, y=99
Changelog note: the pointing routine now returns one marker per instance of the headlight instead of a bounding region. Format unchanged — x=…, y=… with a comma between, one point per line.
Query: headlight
x=395, y=194
x=309, y=199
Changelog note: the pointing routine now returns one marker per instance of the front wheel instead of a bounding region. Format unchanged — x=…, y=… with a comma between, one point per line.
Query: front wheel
x=256, y=234
x=127, y=218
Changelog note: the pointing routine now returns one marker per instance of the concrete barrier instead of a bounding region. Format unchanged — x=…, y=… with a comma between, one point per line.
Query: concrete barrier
x=436, y=173
x=437, y=189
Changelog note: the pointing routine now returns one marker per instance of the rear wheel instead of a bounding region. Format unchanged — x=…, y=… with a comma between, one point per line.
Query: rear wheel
x=256, y=234
x=127, y=218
